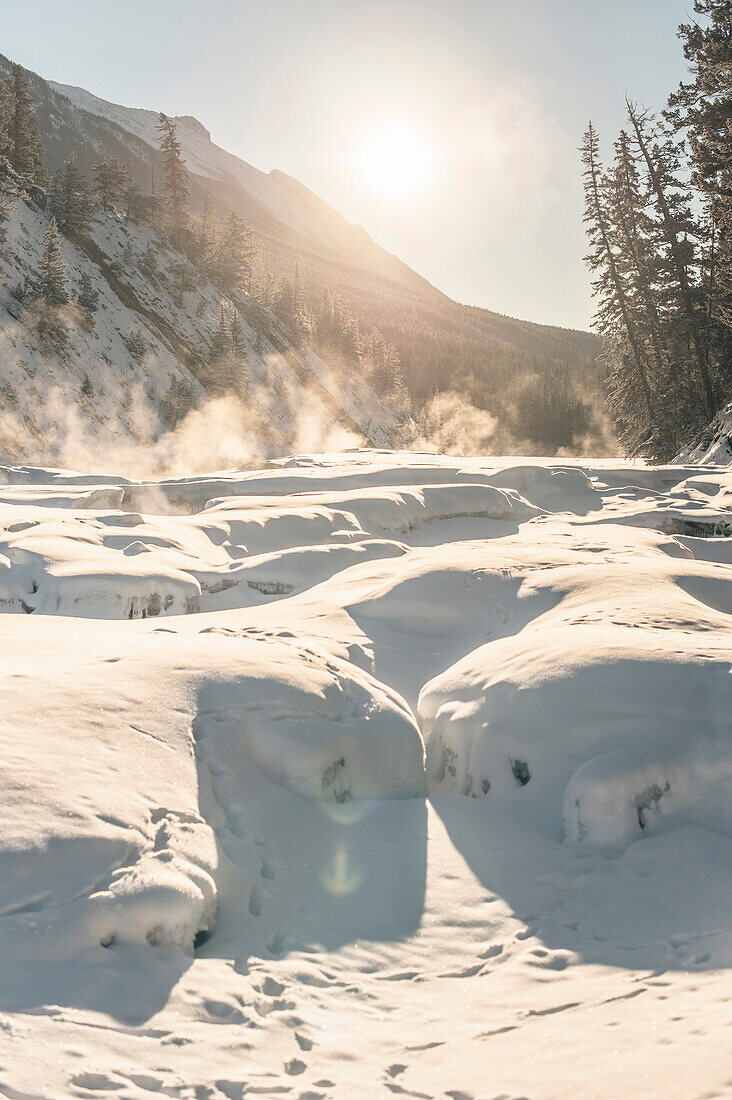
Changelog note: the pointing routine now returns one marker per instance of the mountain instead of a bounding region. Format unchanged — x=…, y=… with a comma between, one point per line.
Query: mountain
x=131, y=381
x=495, y=361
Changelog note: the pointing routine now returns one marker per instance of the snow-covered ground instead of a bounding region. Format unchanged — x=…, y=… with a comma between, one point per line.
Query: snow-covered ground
x=367, y=774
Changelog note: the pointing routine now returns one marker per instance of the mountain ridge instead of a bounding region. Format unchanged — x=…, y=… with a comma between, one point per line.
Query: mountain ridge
x=501, y=365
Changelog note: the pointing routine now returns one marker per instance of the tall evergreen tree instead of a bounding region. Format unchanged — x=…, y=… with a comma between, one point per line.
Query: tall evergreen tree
x=629, y=386
x=177, y=184
x=676, y=231
x=69, y=195
x=220, y=337
x=20, y=138
x=52, y=284
x=702, y=110
x=110, y=181
x=135, y=202
x=226, y=359
x=233, y=257
x=206, y=231
x=87, y=297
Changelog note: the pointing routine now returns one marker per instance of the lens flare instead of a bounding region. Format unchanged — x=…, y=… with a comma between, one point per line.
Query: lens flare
x=340, y=877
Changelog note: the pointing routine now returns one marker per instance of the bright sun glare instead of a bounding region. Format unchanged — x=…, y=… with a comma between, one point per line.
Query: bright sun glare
x=394, y=159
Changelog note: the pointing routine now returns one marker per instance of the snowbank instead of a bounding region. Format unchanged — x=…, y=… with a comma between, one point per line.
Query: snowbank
x=226, y=840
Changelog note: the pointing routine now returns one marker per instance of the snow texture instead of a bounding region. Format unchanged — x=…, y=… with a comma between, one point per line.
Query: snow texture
x=364, y=773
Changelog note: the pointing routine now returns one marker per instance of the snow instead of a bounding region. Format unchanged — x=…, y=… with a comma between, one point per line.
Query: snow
x=714, y=444
x=366, y=773
x=86, y=401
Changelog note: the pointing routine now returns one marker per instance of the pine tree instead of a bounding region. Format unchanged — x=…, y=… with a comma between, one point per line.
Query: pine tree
x=177, y=185
x=641, y=269
x=676, y=228
x=702, y=109
x=226, y=358
x=233, y=258
x=236, y=334
x=629, y=387
x=52, y=283
x=88, y=297
x=110, y=181
x=220, y=338
x=70, y=198
x=20, y=138
x=134, y=202
x=206, y=231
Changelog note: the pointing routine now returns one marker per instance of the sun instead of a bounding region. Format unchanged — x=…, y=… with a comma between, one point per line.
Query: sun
x=393, y=159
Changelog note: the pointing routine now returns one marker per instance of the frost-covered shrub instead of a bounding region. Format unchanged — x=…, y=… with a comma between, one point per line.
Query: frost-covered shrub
x=51, y=325
x=136, y=345
x=9, y=396
x=177, y=402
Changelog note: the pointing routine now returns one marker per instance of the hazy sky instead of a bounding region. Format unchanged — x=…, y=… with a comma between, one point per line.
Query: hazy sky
x=483, y=103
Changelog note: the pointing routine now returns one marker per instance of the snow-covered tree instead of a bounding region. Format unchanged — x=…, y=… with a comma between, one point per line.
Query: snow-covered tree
x=7, y=205
x=234, y=254
x=88, y=297
x=52, y=283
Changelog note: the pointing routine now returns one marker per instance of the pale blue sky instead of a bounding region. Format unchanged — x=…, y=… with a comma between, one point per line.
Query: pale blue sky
x=501, y=91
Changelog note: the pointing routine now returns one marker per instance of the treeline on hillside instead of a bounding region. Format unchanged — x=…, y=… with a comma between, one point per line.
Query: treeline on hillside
x=219, y=247
x=541, y=384
x=659, y=221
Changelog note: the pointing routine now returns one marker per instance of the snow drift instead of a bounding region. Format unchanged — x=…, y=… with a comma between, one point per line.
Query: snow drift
x=364, y=723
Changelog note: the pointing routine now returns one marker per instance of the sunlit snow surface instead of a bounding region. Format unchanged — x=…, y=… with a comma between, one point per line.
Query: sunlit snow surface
x=367, y=774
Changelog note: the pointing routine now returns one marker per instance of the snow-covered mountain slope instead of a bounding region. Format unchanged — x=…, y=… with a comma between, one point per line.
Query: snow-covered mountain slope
x=78, y=391
x=366, y=774
x=280, y=207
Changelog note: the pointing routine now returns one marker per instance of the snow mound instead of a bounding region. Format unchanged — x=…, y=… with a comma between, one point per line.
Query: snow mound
x=614, y=799
x=600, y=728
x=168, y=895
x=225, y=839
x=318, y=725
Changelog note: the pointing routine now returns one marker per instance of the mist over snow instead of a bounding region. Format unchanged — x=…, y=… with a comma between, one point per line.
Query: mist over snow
x=129, y=389
x=362, y=773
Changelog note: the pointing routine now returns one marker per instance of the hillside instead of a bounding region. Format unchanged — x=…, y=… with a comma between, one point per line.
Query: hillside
x=132, y=381
x=499, y=363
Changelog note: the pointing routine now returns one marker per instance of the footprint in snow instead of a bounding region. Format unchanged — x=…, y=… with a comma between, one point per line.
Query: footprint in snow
x=255, y=901
x=96, y=1082
x=272, y=988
